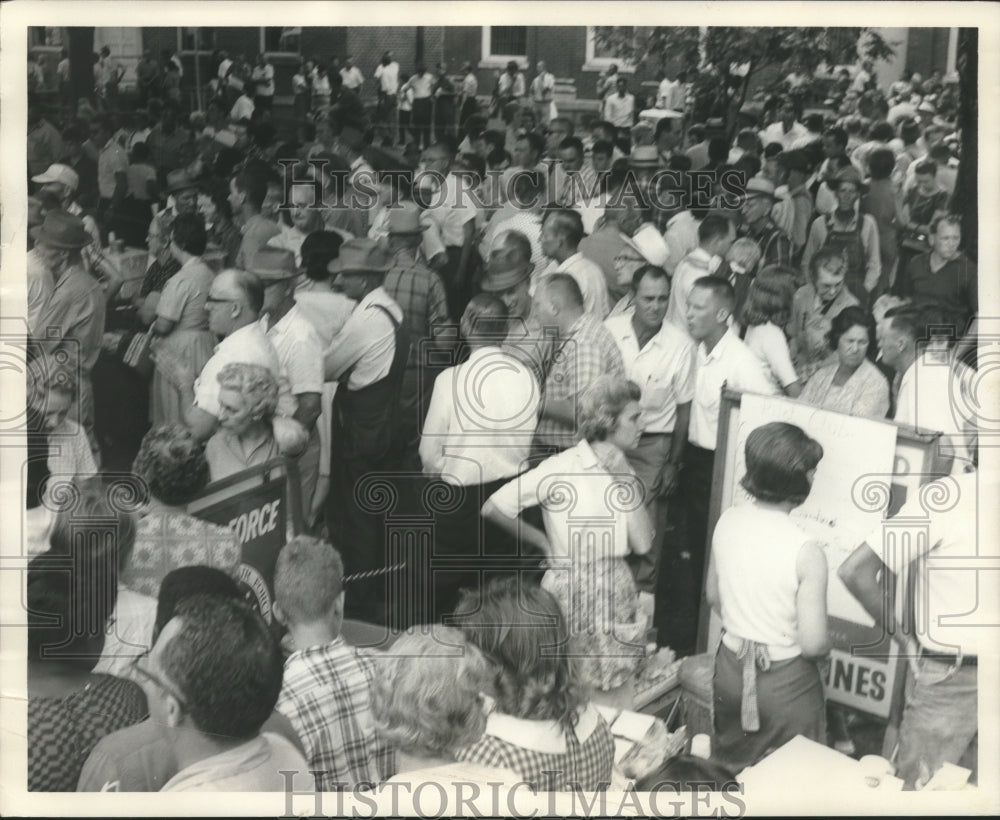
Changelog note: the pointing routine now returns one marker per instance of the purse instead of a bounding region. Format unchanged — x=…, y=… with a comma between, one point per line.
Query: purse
x=138, y=353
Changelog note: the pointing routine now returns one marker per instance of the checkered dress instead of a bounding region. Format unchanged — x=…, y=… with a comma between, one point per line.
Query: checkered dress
x=62, y=732
x=326, y=694
x=585, y=765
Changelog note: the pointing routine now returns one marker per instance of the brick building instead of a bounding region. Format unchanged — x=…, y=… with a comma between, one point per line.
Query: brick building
x=570, y=52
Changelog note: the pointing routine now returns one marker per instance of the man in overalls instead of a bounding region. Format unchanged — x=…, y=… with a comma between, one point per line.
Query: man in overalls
x=851, y=232
x=367, y=357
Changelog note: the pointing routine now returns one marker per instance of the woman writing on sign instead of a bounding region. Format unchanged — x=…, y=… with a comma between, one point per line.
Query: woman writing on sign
x=767, y=579
x=249, y=432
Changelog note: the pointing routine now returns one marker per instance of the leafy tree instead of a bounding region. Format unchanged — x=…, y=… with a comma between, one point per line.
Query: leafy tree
x=724, y=62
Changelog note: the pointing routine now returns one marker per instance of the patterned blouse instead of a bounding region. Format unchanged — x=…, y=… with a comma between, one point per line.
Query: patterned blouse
x=865, y=393
x=62, y=732
x=166, y=541
x=540, y=752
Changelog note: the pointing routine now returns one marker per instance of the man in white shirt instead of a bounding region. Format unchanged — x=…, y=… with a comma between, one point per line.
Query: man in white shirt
x=368, y=358
x=353, y=78
x=542, y=90
x=235, y=301
x=244, y=106
x=956, y=604
x=477, y=435
x=786, y=131
x=619, y=108
x=722, y=359
x=215, y=736
x=562, y=231
x=299, y=351
x=716, y=234
x=387, y=77
x=928, y=382
x=660, y=359
x=451, y=208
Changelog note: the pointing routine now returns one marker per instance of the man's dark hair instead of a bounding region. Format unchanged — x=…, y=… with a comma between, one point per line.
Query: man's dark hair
x=909, y=132
x=188, y=232
x=696, y=133
x=227, y=665
x=881, y=131
x=565, y=286
x=605, y=126
x=186, y=582
x=881, y=161
x=814, y=122
x=712, y=227
x=252, y=181
x=651, y=271
x=718, y=149
x=535, y=141
x=526, y=187
x=837, y=134
x=663, y=126
x=908, y=320
x=496, y=156
x=940, y=154
x=574, y=143
x=495, y=139
x=602, y=147
x=926, y=167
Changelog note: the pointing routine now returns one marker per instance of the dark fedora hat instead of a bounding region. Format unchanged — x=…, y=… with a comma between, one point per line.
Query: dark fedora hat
x=61, y=230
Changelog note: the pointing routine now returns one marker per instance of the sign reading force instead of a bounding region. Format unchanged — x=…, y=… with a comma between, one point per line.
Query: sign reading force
x=258, y=516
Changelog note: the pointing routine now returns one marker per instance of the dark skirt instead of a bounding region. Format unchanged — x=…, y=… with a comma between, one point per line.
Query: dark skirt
x=790, y=702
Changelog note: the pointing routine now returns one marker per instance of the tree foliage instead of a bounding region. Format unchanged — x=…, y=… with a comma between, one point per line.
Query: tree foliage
x=724, y=62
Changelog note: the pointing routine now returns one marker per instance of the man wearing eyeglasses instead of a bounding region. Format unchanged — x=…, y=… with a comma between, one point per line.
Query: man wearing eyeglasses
x=234, y=304
x=212, y=680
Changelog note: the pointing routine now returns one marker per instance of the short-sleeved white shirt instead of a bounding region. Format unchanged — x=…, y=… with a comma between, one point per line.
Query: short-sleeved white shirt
x=481, y=419
x=248, y=345
x=576, y=495
x=663, y=369
x=768, y=342
x=299, y=351
x=731, y=363
x=957, y=603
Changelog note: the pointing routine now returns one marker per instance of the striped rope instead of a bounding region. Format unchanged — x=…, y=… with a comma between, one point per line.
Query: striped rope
x=371, y=573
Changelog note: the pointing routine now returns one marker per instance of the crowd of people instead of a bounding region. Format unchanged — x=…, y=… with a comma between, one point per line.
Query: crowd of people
x=487, y=303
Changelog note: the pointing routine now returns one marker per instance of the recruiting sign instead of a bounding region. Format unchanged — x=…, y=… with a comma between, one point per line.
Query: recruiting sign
x=861, y=674
x=258, y=512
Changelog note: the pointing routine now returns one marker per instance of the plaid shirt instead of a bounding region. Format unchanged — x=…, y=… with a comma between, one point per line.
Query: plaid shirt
x=588, y=351
x=585, y=765
x=420, y=293
x=326, y=694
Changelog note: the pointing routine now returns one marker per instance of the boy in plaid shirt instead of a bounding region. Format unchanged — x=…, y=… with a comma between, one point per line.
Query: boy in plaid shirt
x=326, y=693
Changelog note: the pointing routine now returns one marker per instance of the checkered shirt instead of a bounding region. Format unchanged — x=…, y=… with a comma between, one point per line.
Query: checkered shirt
x=588, y=351
x=420, y=293
x=326, y=694
x=62, y=732
x=585, y=765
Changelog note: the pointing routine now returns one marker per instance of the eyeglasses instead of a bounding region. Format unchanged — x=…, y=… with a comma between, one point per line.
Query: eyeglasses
x=141, y=672
x=622, y=259
x=214, y=300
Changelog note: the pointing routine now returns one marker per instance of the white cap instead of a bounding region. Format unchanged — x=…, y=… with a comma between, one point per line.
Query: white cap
x=59, y=173
x=650, y=243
